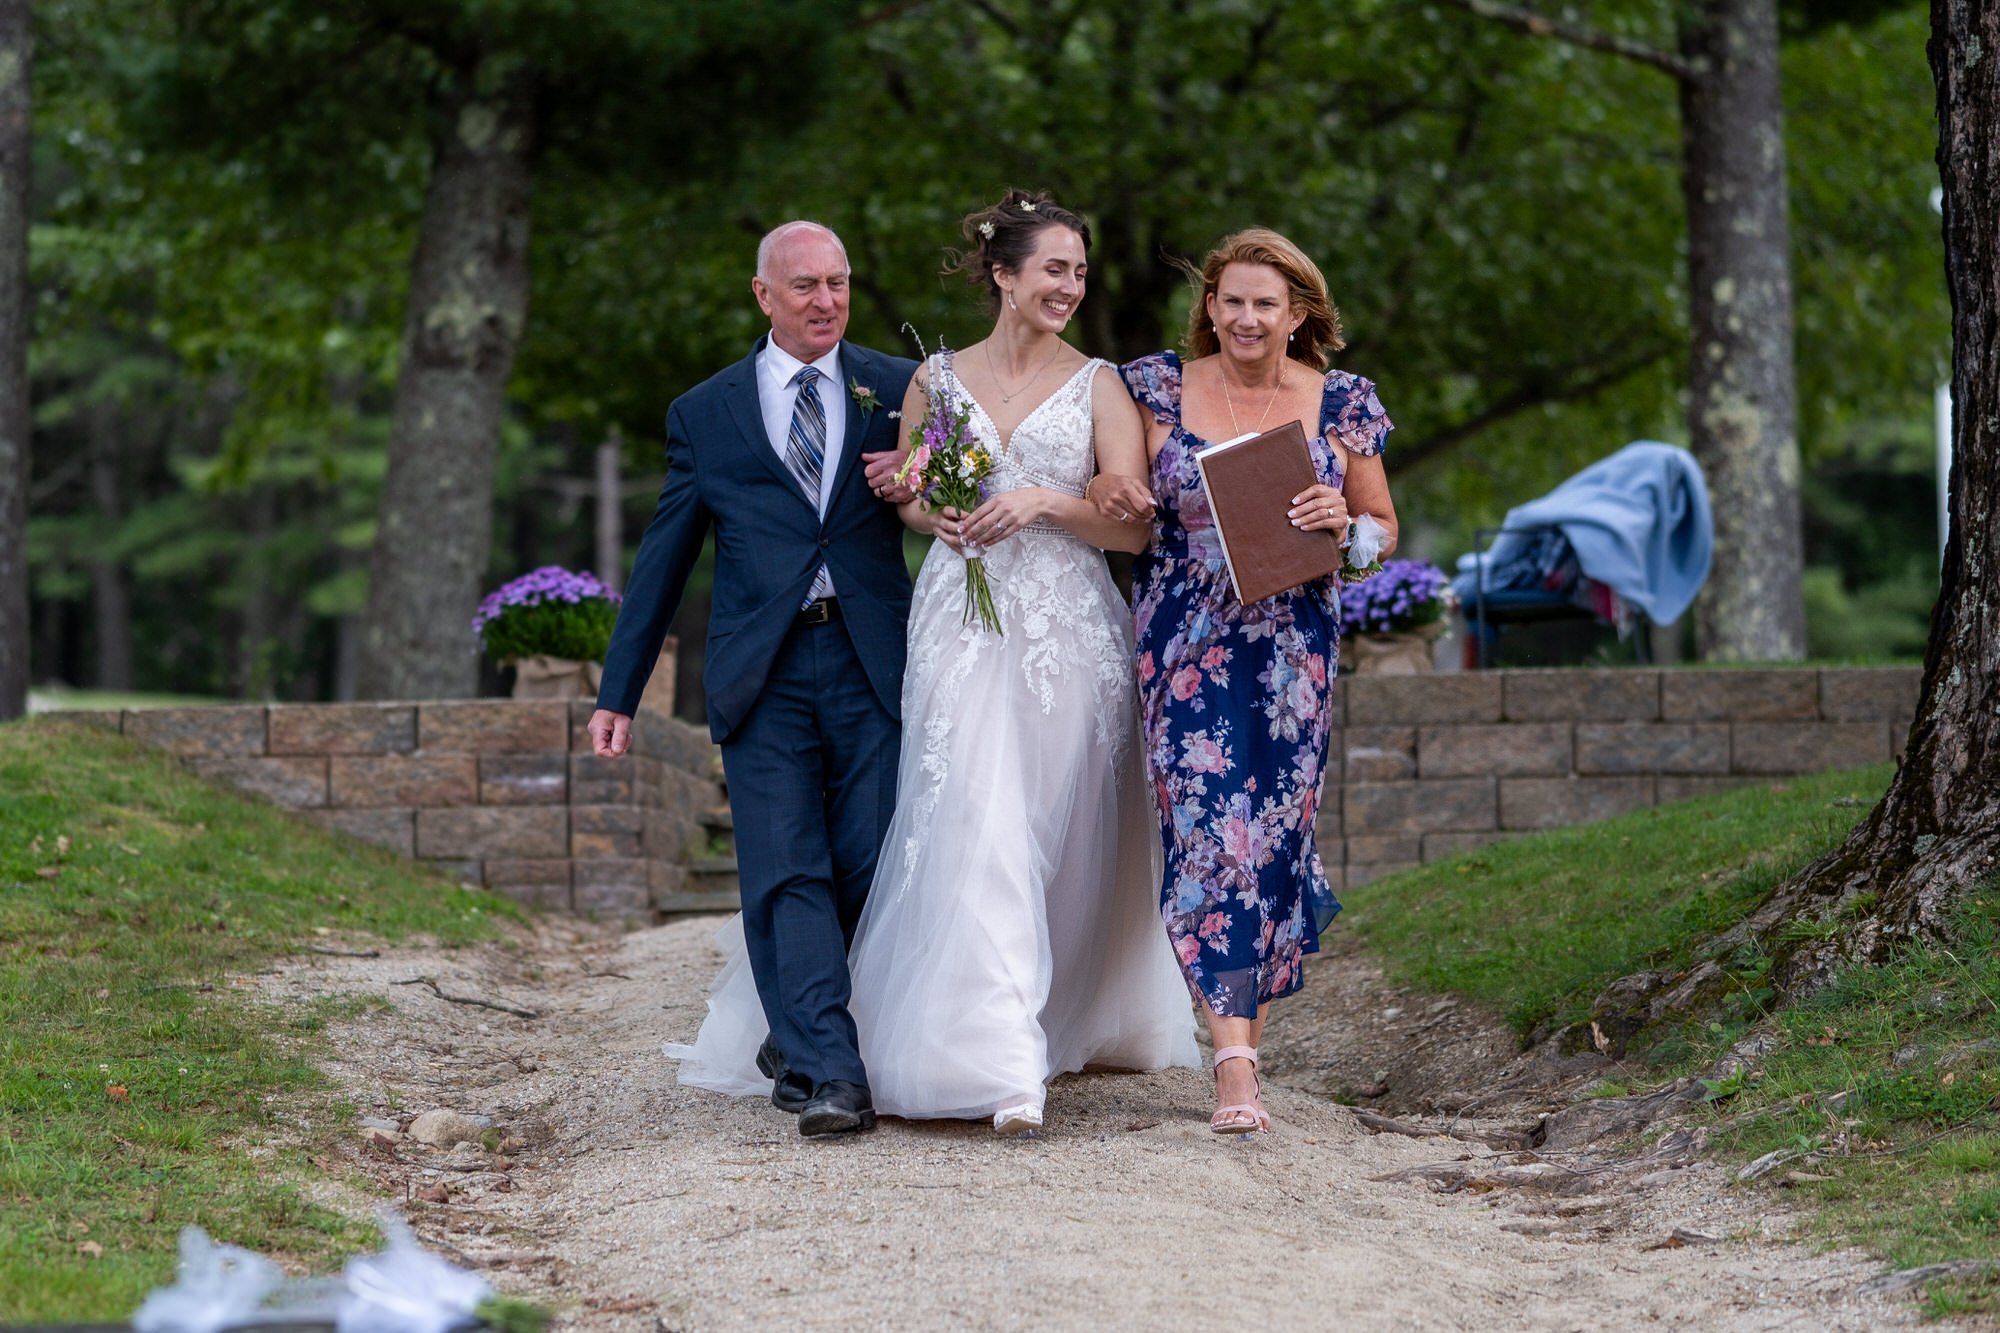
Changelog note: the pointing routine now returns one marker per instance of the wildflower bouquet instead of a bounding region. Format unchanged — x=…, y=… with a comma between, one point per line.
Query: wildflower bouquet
x=947, y=469
x=1407, y=595
x=550, y=612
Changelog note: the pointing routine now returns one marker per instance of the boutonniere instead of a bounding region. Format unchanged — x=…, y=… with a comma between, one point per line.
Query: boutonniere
x=864, y=397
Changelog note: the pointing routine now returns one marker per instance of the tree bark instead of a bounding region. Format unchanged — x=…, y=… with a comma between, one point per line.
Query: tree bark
x=110, y=581
x=467, y=307
x=17, y=43
x=1742, y=393
x=1933, y=839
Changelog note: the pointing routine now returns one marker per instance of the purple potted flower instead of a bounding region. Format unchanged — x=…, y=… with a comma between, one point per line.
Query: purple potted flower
x=553, y=627
x=1387, y=623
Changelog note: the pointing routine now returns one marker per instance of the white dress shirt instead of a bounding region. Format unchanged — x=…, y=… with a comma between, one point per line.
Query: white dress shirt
x=777, y=396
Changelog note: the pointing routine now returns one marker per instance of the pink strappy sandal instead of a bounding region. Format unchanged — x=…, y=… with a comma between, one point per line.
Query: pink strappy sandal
x=1227, y=1119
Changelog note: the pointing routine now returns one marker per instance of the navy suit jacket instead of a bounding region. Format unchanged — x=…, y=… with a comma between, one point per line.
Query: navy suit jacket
x=723, y=474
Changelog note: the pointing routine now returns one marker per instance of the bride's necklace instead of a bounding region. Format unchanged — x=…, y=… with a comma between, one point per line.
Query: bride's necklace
x=1275, y=390
x=994, y=371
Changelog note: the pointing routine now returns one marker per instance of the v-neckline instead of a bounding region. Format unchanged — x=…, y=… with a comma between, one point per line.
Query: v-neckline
x=1007, y=445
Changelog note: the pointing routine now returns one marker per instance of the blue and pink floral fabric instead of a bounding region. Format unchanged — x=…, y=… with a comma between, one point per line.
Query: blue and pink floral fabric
x=1235, y=707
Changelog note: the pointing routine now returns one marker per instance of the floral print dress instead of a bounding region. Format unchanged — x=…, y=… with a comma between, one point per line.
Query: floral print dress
x=1235, y=710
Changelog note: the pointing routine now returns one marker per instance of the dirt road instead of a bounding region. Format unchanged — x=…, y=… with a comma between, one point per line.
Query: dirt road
x=633, y=1204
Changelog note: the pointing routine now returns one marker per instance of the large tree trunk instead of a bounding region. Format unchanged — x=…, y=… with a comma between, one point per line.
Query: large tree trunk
x=1742, y=394
x=467, y=307
x=110, y=582
x=16, y=304
x=1935, y=835
x=1936, y=832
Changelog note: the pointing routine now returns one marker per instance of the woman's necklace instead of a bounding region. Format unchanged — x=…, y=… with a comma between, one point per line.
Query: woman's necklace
x=991, y=369
x=1275, y=390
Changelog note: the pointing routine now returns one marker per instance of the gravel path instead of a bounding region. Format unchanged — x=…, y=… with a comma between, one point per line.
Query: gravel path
x=633, y=1204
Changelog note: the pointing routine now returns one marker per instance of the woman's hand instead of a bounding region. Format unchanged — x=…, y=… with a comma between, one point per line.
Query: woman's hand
x=1121, y=499
x=1320, y=508
x=1004, y=515
x=946, y=524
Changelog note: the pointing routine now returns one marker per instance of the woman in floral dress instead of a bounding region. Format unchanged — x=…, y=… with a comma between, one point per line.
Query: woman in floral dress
x=1236, y=699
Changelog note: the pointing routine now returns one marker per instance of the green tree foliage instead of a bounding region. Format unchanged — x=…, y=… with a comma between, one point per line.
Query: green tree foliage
x=1499, y=219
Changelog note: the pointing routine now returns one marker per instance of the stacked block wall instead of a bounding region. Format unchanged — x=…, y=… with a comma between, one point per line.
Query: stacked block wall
x=506, y=793
x=498, y=792
x=1424, y=767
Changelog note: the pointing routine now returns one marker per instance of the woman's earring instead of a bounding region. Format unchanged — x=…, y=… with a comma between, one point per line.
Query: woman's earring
x=1010, y=302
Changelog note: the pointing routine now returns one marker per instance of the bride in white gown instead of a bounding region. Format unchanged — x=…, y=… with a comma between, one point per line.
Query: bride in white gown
x=1013, y=931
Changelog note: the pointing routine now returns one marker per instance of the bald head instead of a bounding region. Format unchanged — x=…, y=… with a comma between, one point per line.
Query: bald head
x=801, y=284
x=776, y=239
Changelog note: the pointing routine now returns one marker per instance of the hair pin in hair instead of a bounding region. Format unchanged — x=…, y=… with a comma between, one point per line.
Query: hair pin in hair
x=1027, y=205
x=986, y=230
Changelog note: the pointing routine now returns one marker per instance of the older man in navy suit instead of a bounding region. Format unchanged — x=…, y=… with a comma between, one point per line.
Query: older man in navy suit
x=788, y=457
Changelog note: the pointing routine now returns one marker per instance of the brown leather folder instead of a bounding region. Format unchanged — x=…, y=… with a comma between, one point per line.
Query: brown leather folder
x=1250, y=483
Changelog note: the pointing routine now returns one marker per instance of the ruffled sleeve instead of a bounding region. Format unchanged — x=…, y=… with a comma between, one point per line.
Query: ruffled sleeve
x=1155, y=383
x=1350, y=412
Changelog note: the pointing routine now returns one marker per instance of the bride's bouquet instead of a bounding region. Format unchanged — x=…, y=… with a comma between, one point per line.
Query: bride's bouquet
x=946, y=468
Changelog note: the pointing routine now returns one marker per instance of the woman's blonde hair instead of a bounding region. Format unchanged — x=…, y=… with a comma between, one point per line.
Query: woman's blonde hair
x=1315, y=340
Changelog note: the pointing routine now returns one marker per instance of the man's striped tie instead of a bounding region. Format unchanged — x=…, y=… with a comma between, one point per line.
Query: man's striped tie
x=805, y=455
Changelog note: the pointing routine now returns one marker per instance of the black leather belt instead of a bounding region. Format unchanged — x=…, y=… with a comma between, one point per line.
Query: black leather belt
x=823, y=611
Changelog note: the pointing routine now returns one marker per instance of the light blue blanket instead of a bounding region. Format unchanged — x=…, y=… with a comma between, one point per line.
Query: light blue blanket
x=1638, y=522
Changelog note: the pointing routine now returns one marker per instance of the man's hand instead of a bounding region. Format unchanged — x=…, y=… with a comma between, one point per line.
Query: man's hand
x=881, y=470
x=610, y=733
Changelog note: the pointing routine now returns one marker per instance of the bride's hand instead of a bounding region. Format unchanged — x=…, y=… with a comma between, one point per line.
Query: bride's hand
x=945, y=527
x=1004, y=515
x=1121, y=499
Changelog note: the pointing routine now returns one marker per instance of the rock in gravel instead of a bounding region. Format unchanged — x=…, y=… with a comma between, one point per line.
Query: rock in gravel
x=441, y=1128
x=379, y=1123
x=467, y=1156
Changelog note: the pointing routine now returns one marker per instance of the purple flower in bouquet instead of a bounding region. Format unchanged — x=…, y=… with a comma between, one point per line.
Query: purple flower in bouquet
x=1406, y=595
x=549, y=611
x=948, y=467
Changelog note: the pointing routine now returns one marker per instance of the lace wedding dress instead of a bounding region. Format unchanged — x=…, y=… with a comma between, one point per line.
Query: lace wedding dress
x=1013, y=931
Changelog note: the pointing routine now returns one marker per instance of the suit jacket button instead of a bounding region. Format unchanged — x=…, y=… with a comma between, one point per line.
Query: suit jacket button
x=825, y=542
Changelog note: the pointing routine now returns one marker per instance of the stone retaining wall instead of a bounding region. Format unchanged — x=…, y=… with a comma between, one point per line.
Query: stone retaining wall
x=1423, y=767
x=506, y=793
x=498, y=792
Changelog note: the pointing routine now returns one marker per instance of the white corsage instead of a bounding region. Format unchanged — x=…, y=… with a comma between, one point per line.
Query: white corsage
x=1366, y=539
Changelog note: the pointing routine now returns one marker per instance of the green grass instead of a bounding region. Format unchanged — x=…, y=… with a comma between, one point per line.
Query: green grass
x=140, y=1090
x=1890, y=1080
x=1887, y=1083
x=1535, y=928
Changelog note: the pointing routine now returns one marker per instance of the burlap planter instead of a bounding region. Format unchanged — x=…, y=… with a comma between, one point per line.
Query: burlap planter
x=1407, y=653
x=541, y=677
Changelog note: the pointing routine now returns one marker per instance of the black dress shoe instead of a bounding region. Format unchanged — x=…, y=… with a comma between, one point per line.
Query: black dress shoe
x=837, y=1108
x=789, y=1092
x=770, y=1060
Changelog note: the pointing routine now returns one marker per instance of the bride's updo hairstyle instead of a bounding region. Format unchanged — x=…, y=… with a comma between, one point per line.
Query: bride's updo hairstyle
x=1004, y=236
x=1314, y=342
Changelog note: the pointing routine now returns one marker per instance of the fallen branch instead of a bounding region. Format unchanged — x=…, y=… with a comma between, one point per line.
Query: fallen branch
x=1474, y=1175
x=1507, y=1140
x=343, y=953
x=438, y=991
x=1910, y=1277
x=1770, y=1162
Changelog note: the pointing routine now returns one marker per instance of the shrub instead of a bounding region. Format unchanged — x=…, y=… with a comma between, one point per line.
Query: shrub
x=549, y=612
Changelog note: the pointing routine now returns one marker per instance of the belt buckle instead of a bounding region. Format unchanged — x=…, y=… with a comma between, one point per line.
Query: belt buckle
x=819, y=611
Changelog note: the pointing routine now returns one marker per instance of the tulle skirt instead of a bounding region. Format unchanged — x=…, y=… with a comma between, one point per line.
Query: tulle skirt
x=1013, y=931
